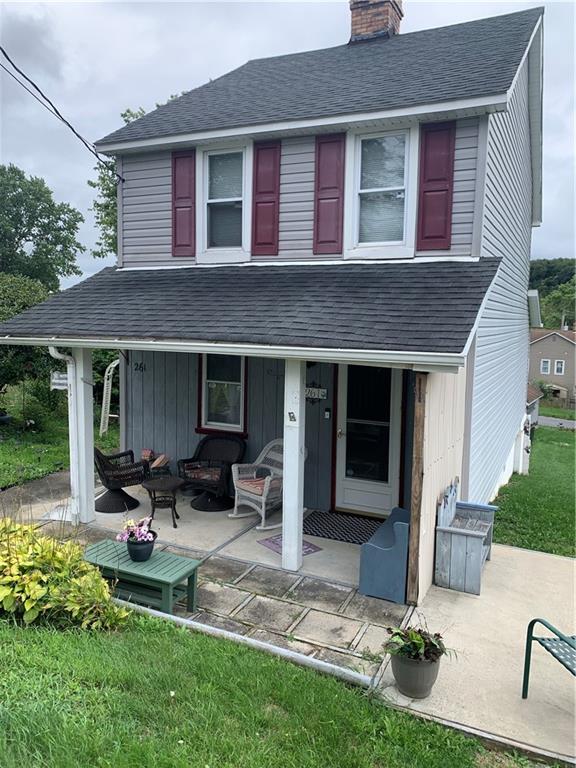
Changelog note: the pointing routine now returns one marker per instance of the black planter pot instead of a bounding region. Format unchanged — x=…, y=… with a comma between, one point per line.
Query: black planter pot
x=139, y=551
x=414, y=678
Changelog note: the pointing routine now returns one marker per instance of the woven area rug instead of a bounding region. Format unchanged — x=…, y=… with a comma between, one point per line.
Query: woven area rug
x=353, y=529
x=275, y=544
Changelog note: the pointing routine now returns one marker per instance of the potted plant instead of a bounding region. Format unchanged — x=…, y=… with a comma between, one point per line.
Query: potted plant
x=416, y=654
x=139, y=538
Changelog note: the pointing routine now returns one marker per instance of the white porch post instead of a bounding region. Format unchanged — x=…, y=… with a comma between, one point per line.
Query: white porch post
x=84, y=436
x=293, y=483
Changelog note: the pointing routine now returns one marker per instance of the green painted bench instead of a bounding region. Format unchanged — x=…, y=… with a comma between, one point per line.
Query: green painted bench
x=562, y=647
x=158, y=582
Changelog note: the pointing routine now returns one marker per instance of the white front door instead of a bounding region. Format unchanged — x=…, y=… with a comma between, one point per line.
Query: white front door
x=368, y=438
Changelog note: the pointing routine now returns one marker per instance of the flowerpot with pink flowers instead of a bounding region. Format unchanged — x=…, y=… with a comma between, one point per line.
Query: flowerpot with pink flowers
x=139, y=538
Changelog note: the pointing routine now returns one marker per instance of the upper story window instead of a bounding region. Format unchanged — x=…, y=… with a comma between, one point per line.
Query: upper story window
x=545, y=367
x=559, y=367
x=382, y=189
x=224, y=200
x=222, y=401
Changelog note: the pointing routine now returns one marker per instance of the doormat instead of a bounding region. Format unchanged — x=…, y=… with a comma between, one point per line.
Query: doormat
x=352, y=529
x=275, y=544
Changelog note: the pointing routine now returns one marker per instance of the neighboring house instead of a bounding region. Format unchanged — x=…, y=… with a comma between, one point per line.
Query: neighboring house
x=553, y=361
x=333, y=247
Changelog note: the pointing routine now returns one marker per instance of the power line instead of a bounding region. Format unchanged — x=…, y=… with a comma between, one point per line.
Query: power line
x=53, y=109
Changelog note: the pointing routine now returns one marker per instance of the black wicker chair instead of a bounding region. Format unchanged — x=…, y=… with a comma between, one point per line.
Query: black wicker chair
x=118, y=471
x=209, y=471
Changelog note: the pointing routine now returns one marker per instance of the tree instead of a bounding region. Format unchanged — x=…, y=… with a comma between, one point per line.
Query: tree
x=548, y=274
x=558, y=306
x=105, y=204
x=18, y=293
x=38, y=236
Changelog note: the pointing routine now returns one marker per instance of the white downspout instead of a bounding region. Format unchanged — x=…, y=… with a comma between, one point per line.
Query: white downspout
x=74, y=510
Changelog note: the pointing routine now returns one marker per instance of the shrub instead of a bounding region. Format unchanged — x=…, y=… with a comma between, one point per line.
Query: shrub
x=44, y=579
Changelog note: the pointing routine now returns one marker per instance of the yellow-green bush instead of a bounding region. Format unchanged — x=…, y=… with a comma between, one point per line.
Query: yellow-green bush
x=44, y=579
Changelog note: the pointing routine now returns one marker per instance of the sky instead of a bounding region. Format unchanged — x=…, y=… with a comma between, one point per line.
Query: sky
x=95, y=59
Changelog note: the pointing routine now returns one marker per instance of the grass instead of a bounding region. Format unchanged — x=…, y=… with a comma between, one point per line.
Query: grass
x=556, y=411
x=157, y=695
x=27, y=454
x=536, y=511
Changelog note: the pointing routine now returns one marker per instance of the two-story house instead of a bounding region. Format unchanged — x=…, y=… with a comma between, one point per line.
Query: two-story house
x=330, y=247
x=553, y=362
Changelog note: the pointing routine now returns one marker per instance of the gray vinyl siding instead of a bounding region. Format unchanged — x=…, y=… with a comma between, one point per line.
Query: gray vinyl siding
x=501, y=360
x=467, y=158
x=296, y=226
x=146, y=210
x=160, y=402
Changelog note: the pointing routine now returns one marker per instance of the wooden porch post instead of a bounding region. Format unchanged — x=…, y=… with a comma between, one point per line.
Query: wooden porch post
x=293, y=482
x=416, y=488
x=84, y=436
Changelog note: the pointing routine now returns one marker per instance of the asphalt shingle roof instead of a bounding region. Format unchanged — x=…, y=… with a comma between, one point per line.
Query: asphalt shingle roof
x=474, y=59
x=425, y=307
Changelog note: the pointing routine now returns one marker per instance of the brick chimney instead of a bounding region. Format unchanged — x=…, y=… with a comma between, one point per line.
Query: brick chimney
x=375, y=18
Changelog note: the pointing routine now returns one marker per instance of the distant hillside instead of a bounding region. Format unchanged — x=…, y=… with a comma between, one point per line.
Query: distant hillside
x=547, y=274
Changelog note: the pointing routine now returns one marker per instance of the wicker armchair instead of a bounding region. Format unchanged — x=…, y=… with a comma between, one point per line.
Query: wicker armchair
x=118, y=471
x=208, y=471
x=259, y=485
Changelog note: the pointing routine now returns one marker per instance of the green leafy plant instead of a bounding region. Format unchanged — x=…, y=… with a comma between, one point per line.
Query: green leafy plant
x=416, y=643
x=44, y=579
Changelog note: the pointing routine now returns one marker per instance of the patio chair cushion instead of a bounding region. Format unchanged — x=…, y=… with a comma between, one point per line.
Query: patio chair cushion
x=255, y=485
x=204, y=473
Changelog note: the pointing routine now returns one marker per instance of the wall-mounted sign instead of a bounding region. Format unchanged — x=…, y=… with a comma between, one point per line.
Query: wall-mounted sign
x=316, y=393
x=59, y=380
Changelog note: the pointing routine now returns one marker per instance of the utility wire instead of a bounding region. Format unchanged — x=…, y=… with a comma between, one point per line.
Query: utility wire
x=53, y=109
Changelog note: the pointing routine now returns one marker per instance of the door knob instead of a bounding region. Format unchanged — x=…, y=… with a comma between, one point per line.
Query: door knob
x=339, y=434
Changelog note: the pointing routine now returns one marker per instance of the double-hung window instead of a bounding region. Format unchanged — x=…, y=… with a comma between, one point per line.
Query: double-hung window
x=223, y=392
x=224, y=199
x=545, y=367
x=559, y=367
x=382, y=189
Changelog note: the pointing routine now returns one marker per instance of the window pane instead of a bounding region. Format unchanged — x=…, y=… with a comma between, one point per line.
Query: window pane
x=383, y=162
x=223, y=368
x=368, y=397
x=381, y=217
x=224, y=225
x=225, y=176
x=367, y=452
x=223, y=405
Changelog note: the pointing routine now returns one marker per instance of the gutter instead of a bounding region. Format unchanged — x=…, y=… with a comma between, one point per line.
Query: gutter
x=417, y=361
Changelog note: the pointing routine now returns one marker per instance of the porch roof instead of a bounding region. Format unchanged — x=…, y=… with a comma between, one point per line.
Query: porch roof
x=404, y=308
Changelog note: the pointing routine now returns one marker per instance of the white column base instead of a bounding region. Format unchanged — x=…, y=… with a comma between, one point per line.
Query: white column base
x=294, y=452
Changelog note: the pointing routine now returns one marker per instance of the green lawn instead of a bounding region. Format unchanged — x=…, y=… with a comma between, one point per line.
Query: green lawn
x=556, y=411
x=536, y=511
x=27, y=454
x=162, y=697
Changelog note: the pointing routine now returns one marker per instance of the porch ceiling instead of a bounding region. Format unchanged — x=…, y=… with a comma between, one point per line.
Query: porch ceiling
x=404, y=311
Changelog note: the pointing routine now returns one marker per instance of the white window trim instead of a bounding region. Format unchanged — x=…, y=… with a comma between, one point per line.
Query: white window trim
x=563, y=366
x=205, y=255
x=393, y=250
x=216, y=425
x=542, y=371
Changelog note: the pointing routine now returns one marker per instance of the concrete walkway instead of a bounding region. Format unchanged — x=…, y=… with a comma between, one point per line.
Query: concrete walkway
x=548, y=421
x=481, y=687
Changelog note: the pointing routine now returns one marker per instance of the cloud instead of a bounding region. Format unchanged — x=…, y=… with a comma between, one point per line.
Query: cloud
x=97, y=59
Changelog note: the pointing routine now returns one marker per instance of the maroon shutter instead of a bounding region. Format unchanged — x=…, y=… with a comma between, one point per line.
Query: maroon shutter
x=265, y=198
x=329, y=193
x=436, y=182
x=183, y=203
